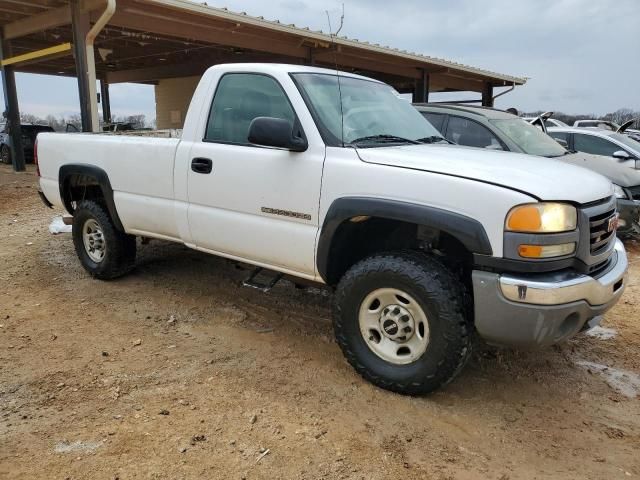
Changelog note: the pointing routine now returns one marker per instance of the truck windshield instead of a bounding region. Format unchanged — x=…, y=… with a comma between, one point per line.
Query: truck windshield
x=372, y=114
x=528, y=138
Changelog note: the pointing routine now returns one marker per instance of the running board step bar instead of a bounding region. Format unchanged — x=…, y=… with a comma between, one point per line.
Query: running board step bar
x=251, y=282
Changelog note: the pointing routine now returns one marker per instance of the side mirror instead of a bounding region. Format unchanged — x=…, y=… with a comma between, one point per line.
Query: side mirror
x=275, y=132
x=621, y=155
x=562, y=142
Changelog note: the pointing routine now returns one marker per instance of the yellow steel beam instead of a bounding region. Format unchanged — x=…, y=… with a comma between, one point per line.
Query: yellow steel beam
x=57, y=50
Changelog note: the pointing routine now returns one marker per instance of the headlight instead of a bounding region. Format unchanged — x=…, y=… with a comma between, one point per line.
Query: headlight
x=542, y=218
x=619, y=192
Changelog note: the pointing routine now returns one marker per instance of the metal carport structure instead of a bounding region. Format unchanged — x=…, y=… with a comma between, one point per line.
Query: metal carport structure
x=146, y=41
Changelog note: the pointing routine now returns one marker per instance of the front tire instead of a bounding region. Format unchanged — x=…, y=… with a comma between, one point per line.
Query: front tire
x=401, y=322
x=104, y=251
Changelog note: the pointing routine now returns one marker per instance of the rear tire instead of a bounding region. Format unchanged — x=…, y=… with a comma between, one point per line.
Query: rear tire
x=5, y=154
x=383, y=296
x=104, y=251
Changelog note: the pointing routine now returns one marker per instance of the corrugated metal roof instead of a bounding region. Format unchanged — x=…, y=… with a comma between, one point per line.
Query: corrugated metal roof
x=306, y=32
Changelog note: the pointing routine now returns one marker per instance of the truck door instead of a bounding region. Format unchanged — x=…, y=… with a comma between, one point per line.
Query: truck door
x=250, y=202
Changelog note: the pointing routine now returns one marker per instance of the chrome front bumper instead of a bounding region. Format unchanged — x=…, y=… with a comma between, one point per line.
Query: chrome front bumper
x=543, y=309
x=557, y=288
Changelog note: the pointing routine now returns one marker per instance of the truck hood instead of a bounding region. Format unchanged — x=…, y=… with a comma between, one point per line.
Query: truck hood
x=607, y=166
x=543, y=178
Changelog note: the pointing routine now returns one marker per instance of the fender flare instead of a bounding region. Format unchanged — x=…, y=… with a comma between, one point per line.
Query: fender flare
x=94, y=173
x=467, y=230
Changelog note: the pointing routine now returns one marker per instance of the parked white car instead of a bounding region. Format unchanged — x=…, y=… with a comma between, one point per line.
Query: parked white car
x=597, y=141
x=334, y=179
x=609, y=125
x=604, y=124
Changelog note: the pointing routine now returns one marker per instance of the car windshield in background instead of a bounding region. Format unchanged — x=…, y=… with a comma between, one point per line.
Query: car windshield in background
x=628, y=141
x=371, y=114
x=530, y=139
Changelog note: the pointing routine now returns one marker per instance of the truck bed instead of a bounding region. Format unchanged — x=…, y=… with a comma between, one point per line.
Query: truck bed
x=139, y=167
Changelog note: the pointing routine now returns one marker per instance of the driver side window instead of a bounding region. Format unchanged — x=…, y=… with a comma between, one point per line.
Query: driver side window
x=241, y=97
x=471, y=134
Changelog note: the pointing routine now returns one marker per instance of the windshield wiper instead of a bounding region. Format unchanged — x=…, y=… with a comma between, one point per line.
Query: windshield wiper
x=433, y=139
x=384, y=138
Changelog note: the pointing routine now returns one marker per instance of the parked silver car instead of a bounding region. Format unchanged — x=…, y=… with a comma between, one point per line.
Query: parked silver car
x=493, y=129
x=597, y=141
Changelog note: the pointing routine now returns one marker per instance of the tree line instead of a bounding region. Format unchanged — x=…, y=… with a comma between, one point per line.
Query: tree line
x=619, y=116
x=59, y=124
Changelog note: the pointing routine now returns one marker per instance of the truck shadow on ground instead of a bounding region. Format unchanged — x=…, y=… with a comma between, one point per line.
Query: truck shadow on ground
x=204, y=281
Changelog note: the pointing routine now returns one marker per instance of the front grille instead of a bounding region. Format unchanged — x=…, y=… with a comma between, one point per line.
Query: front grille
x=596, y=243
x=600, y=235
x=600, y=267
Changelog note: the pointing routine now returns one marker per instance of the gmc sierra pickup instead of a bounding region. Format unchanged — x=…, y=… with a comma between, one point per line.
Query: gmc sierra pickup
x=332, y=178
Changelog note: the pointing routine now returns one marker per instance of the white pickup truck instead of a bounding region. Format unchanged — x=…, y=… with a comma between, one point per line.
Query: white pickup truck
x=332, y=178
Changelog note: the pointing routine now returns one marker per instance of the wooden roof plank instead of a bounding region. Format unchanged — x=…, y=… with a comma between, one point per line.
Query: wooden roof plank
x=204, y=11
x=179, y=27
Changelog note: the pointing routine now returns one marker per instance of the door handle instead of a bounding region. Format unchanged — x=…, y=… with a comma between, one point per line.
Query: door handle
x=201, y=165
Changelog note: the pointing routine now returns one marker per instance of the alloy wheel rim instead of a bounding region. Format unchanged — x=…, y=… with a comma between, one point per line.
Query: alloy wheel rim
x=394, y=326
x=93, y=240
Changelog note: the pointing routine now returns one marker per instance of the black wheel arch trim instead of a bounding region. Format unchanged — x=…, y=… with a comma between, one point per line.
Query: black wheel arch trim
x=505, y=265
x=101, y=177
x=467, y=230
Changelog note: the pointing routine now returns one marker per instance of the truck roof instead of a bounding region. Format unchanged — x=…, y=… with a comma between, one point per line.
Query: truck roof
x=286, y=68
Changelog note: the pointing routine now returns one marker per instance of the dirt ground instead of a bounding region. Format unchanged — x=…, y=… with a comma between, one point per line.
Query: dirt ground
x=177, y=372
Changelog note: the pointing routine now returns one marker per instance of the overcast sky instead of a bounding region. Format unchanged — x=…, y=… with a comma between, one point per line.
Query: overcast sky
x=582, y=56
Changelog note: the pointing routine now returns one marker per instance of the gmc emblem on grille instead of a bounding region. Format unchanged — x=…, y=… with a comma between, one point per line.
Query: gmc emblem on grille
x=612, y=226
